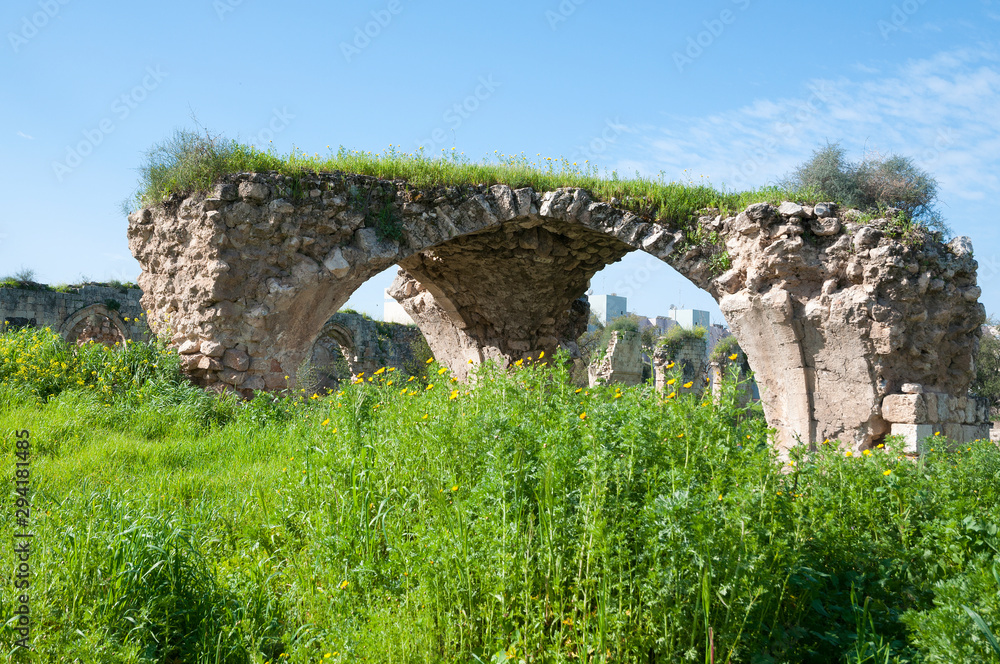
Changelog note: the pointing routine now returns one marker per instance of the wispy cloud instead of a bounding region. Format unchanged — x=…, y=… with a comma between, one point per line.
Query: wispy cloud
x=23, y=135
x=941, y=111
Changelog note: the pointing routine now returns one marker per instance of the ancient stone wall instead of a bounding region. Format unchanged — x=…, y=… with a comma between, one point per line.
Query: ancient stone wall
x=687, y=354
x=352, y=344
x=835, y=315
x=620, y=363
x=91, y=311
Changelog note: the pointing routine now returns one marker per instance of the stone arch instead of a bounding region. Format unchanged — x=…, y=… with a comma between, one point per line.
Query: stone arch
x=834, y=316
x=333, y=357
x=95, y=322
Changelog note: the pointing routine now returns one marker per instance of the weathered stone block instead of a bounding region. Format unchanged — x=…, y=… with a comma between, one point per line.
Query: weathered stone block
x=209, y=363
x=943, y=407
x=212, y=348
x=825, y=227
x=953, y=431
x=254, y=192
x=232, y=377
x=912, y=388
x=226, y=192
x=188, y=347
x=904, y=409
x=971, y=432
x=236, y=359
x=931, y=401
x=254, y=383
x=913, y=436
x=275, y=381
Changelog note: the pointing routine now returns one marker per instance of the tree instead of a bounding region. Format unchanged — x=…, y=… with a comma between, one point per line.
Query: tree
x=987, y=381
x=875, y=183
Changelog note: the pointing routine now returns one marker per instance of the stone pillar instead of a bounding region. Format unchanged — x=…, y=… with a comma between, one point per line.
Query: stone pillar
x=621, y=362
x=715, y=378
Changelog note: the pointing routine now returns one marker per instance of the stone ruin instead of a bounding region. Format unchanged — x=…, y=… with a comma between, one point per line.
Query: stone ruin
x=91, y=312
x=835, y=315
x=620, y=363
x=688, y=355
x=352, y=344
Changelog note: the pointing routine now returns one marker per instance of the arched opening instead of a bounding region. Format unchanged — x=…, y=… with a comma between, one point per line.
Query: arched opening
x=333, y=359
x=95, y=324
x=833, y=321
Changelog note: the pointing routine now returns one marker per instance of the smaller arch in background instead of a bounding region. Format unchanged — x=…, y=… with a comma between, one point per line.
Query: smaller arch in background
x=332, y=359
x=95, y=323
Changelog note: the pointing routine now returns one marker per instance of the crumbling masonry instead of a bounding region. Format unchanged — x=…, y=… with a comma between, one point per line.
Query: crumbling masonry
x=834, y=316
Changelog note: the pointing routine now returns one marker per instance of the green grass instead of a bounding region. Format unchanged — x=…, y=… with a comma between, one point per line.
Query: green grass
x=516, y=518
x=189, y=162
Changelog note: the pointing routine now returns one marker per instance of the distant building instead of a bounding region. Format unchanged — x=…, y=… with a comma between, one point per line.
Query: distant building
x=661, y=323
x=393, y=312
x=691, y=318
x=608, y=307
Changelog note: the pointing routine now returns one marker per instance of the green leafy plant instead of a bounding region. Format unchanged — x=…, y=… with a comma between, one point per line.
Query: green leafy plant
x=987, y=381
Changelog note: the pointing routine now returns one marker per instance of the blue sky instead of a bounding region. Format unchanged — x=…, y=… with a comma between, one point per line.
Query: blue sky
x=733, y=91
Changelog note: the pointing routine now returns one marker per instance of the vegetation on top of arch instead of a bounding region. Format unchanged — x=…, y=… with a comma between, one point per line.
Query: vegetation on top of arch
x=189, y=162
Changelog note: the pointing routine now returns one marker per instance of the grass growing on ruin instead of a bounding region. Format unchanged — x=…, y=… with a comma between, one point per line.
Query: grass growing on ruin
x=190, y=161
x=514, y=519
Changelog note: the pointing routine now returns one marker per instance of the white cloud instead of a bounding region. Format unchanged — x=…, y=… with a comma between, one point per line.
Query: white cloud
x=23, y=135
x=941, y=111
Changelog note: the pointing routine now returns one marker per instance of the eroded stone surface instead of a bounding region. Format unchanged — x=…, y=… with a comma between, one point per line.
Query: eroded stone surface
x=833, y=316
x=620, y=363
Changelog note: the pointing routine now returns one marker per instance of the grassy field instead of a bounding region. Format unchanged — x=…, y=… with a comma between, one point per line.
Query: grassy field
x=516, y=518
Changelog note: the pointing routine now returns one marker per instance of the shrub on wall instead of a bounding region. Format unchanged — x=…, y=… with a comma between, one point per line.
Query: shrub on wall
x=678, y=336
x=876, y=183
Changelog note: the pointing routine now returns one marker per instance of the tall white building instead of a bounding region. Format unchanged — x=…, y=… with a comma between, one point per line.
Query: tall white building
x=608, y=307
x=691, y=318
